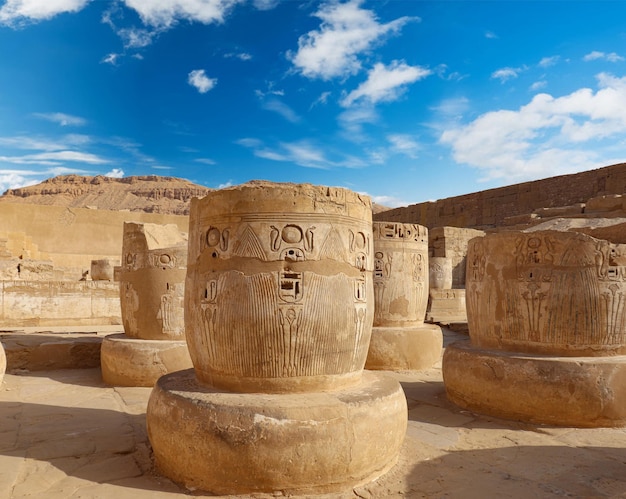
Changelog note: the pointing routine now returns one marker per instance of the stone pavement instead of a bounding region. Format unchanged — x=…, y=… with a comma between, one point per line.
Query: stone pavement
x=65, y=434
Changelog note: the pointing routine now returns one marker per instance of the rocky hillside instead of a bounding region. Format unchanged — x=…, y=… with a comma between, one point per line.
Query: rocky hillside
x=152, y=194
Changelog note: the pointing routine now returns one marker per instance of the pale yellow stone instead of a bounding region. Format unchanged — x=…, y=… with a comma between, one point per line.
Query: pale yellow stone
x=564, y=391
x=296, y=443
x=152, y=281
x=559, y=293
x=279, y=292
x=137, y=362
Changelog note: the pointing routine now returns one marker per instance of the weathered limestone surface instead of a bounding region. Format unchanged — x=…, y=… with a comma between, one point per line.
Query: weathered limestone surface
x=558, y=293
x=400, y=339
x=152, y=280
x=279, y=292
x=447, y=306
x=279, y=310
x=54, y=347
x=451, y=242
x=54, y=303
x=137, y=362
x=440, y=272
x=64, y=434
x=547, y=324
x=315, y=442
x=565, y=391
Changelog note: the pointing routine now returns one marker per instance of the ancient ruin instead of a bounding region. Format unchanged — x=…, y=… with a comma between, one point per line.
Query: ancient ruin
x=547, y=323
x=400, y=339
x=279, y=309
x=152, y=282
x=447, y=248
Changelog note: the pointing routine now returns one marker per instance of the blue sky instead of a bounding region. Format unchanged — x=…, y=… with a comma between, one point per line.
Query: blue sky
x=405, y=100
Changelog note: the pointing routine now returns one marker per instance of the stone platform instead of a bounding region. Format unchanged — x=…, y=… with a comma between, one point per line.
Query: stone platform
x=564, y=391
x=404, y=348
x=137, y=362
x=313, y=442
x=64, y=434
x=56, y=347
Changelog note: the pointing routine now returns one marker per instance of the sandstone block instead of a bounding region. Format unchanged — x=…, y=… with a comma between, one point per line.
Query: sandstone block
x=297, y=443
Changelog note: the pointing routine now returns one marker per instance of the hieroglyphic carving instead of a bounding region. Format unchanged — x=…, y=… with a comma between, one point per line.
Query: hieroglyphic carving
x=553, y=292
x=400, y=290
x=286, y=293
x=153, y=265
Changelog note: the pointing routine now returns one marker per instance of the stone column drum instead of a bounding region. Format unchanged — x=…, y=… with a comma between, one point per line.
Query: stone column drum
x=279, y=308
x=152, y=282
x=440, y=272
x=547, y=324
x=400, y=339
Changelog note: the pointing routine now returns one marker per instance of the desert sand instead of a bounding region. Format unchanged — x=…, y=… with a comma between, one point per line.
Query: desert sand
x=65, y=434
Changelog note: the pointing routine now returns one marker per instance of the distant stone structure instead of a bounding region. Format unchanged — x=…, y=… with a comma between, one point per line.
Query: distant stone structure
x=520, y=203
x=400, y=339
x=279, y=309
x=547, y=322
x=152, y=281
x=448, y=252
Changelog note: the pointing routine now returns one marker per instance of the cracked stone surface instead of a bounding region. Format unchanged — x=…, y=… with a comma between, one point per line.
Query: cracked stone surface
x=65, y=434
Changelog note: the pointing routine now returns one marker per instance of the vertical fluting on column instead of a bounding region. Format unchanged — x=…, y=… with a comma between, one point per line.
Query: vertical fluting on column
x=279, y=287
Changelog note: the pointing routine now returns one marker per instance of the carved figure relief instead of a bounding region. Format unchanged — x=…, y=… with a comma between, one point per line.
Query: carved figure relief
x=560, y=293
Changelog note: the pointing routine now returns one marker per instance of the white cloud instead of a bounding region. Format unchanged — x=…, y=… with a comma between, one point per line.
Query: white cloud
x=548, y=136
x=110, y=59
x=404, y=144
x=346, y=31
x=282, y=109
x=115, y=173
x=243, y=56
x=353, y=119
x=322, y=99
x=490, y=34
x=386, y=83
x=44, y=144
x=198, y=79
x=206, y=161
x=538, y=85
x=265, y=4
x=389, y=201
x=303, y=153
x=54, y=158
x=595, y=55
x=16, y=12
x=506, y=74
x=549, y=61
x=164, y=14
x=62, y=119
x=136, y=37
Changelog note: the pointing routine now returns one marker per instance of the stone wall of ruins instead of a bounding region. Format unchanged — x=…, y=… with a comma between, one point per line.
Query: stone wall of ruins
x=53, y=303
x=68, y=238
x=492, y=207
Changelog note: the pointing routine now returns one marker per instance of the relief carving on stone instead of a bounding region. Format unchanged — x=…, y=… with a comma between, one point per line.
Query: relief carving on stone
x=547, y=291
x=288, y=298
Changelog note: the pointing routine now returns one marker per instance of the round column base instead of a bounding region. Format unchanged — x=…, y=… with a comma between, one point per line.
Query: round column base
x=404, y=348
x=135, y=362
x=561, y=391
x=236, y=443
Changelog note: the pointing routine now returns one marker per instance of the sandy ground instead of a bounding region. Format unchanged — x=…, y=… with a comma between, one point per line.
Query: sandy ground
x=65, y=434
